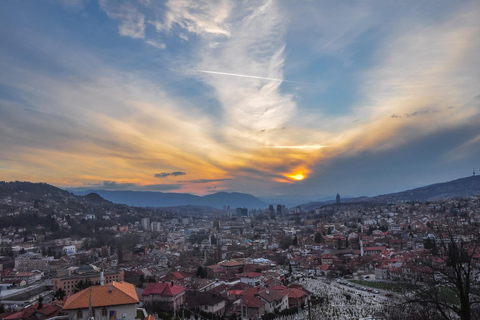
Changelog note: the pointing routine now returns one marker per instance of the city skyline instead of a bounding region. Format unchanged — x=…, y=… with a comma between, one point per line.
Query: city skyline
x=280, y=100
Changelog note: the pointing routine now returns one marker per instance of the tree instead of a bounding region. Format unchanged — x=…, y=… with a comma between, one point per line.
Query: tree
x=201, y=272
x=83, y=285
x=337, y=199
x=318, y=237
x=448, y=273
x=295, y=241
x=59, y=294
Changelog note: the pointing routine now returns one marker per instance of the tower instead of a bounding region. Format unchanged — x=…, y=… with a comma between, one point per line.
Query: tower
x=361, y=247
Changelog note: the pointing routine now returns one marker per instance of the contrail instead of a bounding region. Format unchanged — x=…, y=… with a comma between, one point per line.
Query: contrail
x=252, y=77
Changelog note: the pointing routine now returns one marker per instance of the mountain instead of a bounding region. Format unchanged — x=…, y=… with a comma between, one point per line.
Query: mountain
x=161, y=199
x=459, y=188
x=28, y=191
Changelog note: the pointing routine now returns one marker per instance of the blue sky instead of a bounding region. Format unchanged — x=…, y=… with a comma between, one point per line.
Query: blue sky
x=377, y=96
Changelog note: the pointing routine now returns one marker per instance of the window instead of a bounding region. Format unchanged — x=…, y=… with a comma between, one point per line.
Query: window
x=79, y=314
x=104, y=312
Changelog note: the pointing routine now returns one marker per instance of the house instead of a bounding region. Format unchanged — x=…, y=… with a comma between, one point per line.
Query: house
x=327, y=259
x=253, y=306
x=296, y=297
x=113, y=301
x=381, y=273
x=274, y=299
x=36, y=311
x=167, y=295
x=209, y=302
x=251, y=278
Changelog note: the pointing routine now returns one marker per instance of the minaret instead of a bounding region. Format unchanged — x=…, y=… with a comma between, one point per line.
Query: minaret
x=361, y=247
x=102, y=278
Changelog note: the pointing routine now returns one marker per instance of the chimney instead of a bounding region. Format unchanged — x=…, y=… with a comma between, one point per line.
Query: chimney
x=268, y=292
x=171, y=283
x=110, y=289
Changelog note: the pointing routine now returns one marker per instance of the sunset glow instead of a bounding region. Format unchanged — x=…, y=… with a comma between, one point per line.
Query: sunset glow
x=262, y=97
x=298, y=176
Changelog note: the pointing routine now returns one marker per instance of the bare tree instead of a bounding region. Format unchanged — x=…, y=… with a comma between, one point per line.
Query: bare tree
x=448, y=271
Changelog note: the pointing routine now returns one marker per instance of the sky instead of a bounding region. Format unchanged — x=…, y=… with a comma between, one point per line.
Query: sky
x=286, y=100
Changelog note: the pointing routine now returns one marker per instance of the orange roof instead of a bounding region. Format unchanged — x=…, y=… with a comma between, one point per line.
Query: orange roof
x=121, y=293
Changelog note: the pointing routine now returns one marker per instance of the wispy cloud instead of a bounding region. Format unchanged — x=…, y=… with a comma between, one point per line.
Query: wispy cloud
x=127, y=186
x=197, y=17
x=167, y=174
x=203, y=180
x=156, y=44
x=131, y=22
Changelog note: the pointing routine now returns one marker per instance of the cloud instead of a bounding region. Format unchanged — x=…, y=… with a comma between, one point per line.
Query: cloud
x=166, y=174
x=203, y=180
x=131, y=21
x=118, y=186
x=419, y=113
x=156, y=44
x=195, y=16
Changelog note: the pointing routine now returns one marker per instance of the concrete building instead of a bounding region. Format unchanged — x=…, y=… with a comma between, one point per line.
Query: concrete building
x=32, y=261
x=85, y=273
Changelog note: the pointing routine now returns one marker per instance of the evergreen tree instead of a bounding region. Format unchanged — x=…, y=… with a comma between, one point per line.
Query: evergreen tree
x=318, y=237
x=201, y=272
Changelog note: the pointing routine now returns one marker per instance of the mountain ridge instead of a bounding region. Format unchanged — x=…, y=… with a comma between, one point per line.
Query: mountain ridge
x=163, y=199
x=458, y=188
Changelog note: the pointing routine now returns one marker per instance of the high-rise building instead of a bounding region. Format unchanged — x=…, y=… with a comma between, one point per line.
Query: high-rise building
x=156, y=226
x=146, y=223
x=243, y=212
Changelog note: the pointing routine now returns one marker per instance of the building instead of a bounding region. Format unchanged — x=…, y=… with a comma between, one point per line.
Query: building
x=145, y=223
x=28, y=277
x=297, y=298
x=156, y=226
x=381, y=273
x=85, y=273
x=207, y=302
x=165, y=295
x=40, y=312
x=251, y=278
x=108, y=302
x=32, y=261
x=274, y=299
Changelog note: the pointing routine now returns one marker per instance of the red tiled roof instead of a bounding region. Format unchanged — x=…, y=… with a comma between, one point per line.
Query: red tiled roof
x=296, y=293
x=163, y=289
x=251, y=275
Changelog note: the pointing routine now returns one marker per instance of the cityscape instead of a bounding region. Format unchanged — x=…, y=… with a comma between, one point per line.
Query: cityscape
x=239, y=160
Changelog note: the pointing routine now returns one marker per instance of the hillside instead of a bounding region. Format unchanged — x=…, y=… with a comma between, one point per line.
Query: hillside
x=463, y=187
x=459, y=188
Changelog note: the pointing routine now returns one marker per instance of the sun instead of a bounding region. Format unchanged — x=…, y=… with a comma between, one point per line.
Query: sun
x=297, y=176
